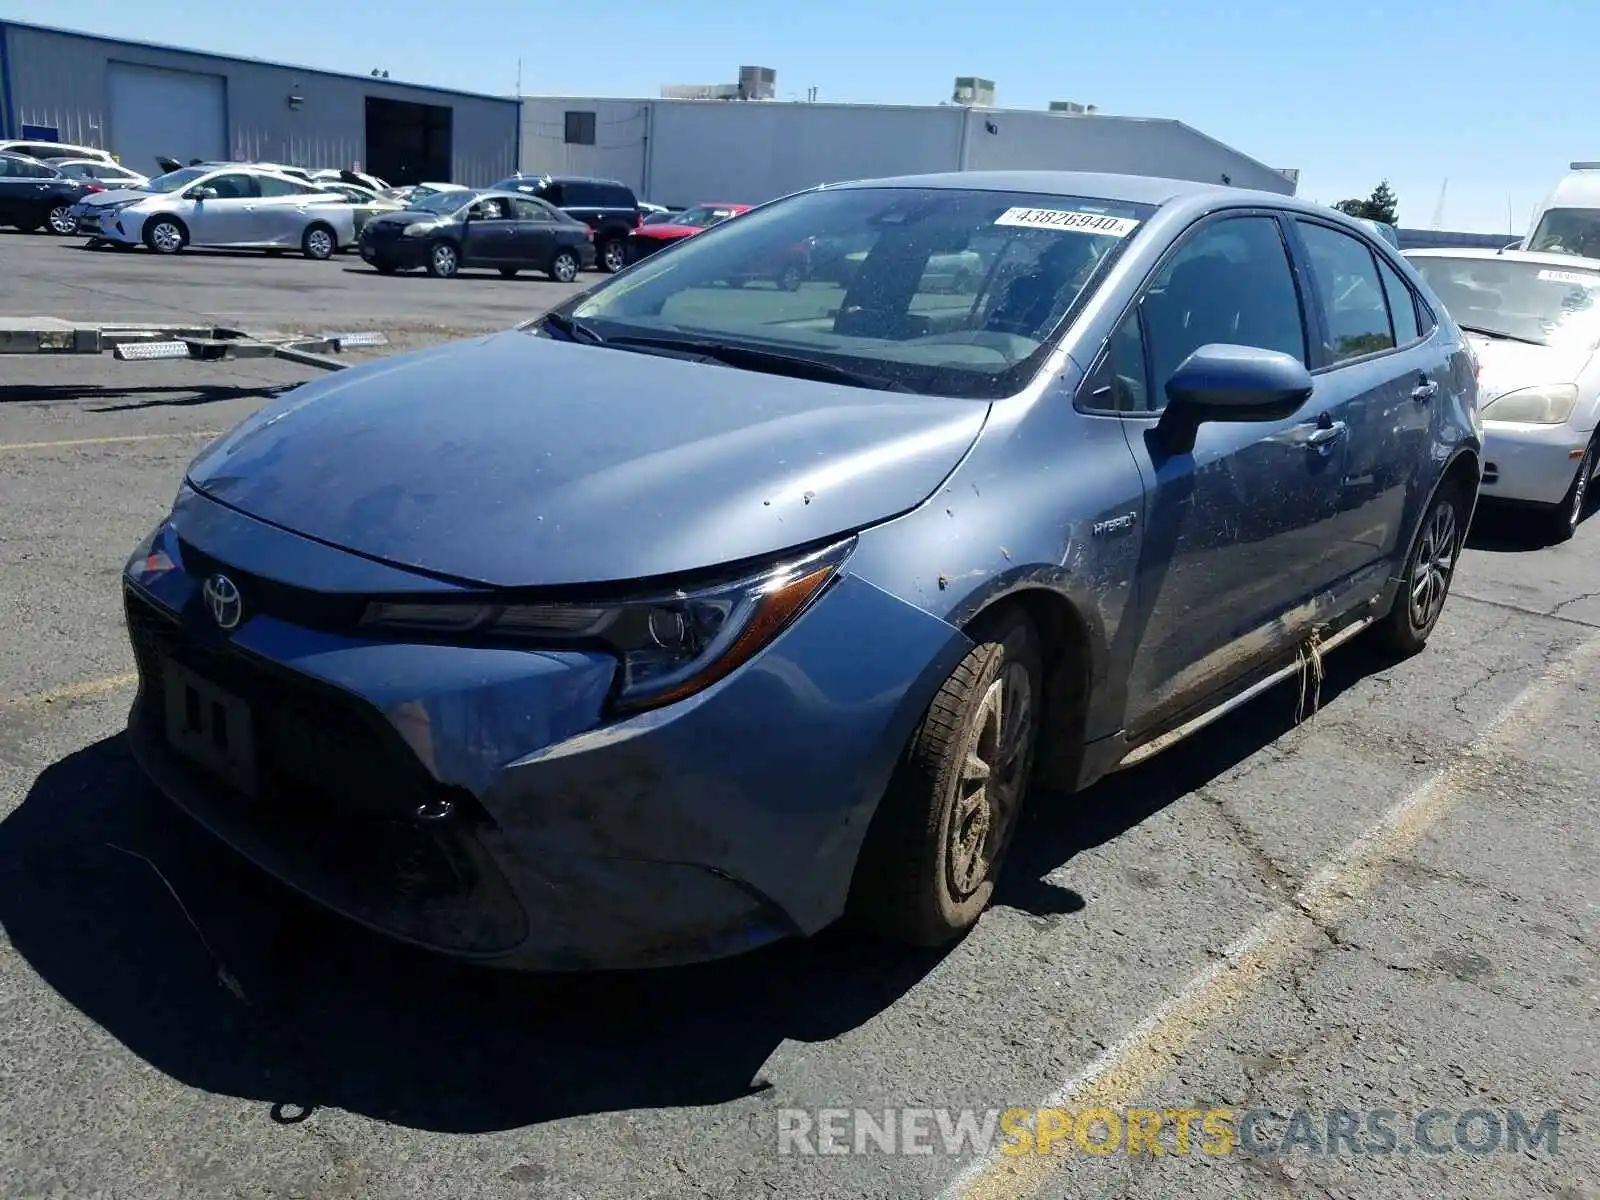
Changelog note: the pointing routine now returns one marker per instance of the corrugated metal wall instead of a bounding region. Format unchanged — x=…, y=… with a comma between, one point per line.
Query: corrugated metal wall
x=681, y=152
x=60, y=80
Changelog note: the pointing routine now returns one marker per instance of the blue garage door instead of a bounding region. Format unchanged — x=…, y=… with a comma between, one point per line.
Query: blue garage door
x=154, y=111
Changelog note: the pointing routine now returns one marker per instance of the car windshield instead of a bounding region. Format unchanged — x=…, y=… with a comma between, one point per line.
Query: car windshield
x=176, y=181
x=442, y=203
x=702, y=215
x=1509, y=298
x=941, y=291
x=1568, y=231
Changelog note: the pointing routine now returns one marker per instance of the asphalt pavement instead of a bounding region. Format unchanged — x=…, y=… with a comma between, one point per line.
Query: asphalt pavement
x=1375, y=897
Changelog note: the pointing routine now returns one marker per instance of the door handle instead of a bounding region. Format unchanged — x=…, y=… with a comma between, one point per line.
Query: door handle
x=1426, y=390
x=1326, y=435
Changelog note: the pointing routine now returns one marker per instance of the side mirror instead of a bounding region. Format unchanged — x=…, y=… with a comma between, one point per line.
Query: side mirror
x=1230, y=383
x=201, y=193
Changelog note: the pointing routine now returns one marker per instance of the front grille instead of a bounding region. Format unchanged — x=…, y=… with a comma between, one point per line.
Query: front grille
x=336, y=798
x=315, y=746
x=299, y=606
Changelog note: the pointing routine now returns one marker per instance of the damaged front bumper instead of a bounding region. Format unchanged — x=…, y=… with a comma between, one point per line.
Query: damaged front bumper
x=483, y=802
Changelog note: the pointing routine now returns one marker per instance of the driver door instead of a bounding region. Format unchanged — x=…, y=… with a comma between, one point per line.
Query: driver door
x=489, y=234
x=229, y=218
x=1233, y=565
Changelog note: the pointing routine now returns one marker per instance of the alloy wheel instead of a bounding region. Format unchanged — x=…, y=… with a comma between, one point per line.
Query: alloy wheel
x=1580, y=488
x=444, y=259
x=613, y=256
x=319, y=244
x=61, y=220
x=167, y=238
x=565, y=267
x=1435, y=561
x=993, y=774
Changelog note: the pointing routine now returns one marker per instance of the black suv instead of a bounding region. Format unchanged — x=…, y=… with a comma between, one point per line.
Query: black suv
x=606, y=206
x=33, y=194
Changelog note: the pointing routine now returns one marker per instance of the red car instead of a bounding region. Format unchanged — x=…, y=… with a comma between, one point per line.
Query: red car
x=647, y=239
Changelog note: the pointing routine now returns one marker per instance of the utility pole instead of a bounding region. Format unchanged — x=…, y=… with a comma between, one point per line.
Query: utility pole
x=1438, y=209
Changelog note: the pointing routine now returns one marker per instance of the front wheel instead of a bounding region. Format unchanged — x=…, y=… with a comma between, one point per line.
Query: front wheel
x=790, y=278
x=1564, y=518
x=934, y=849
x=61, y=220
x=443, y=260
x=612, y=256
x=165, y=235
x=1428, y=573
x=319, y=243
x=564, y=266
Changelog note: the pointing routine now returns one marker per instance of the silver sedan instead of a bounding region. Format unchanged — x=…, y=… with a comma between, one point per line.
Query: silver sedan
x=239, y=207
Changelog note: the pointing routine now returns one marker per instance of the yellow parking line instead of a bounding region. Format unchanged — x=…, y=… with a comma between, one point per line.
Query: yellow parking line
x=109, y=441
x=74, y=691
x=1150, y=1051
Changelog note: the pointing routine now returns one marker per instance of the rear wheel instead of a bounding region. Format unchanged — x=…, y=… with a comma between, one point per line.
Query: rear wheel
x=1428, y=573
x=935, y=847
x=61, y=221
x=790, y=278
x=165, y=235
x=443, y=260
x=1563, y=520
x=611, y=255
x=564, y=266
x=318, y=242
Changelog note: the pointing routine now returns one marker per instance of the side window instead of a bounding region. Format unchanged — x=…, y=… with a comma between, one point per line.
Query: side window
x=7, y=168
x=1120, y=384
x=617, y=197
x=555, y=193
x=1402, y=305
x=579, y=195
x=35, y=171
x=530, y=210
x=1230, y=283
x=1352, y=296
x=233, y=187
x=279, y=187
x=491, y=208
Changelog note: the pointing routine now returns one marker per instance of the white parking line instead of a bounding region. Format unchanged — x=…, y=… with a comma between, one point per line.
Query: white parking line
x=1149, y=1051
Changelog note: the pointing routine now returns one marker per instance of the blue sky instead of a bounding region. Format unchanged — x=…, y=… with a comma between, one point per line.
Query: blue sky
x=1496, y=97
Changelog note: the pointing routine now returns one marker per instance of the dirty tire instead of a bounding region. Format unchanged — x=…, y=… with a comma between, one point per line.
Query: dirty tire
x=165, y=235
x=564, y=266
x=1430, y=567
x=318, y=242
x=1563, y=520
x=936, y=845
x=444, y=260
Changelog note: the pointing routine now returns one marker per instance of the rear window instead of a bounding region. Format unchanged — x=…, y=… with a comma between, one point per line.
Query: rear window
x=944, y=291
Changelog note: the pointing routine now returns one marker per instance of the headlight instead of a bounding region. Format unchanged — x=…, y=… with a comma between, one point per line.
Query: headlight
x=670, y=646
x=419, y=228
x=1549, y=404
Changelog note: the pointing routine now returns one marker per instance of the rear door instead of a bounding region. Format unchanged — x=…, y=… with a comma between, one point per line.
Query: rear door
x=1373, y=366
x=1232, y=559
x=19, y=193
x=533, y=237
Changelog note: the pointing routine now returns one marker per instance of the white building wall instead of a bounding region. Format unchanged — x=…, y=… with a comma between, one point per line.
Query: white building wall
x=621, y=134
x=1001, y=139
x=682, y=152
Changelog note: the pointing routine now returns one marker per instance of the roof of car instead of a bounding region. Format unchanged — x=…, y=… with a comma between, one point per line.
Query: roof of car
x=568, y=178
x=1134, y=189
x=1539, y=257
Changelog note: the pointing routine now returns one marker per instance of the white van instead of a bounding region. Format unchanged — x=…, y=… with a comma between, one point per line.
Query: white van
x=1568, y=222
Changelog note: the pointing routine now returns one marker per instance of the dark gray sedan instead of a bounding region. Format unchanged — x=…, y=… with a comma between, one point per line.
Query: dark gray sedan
x=692, y=616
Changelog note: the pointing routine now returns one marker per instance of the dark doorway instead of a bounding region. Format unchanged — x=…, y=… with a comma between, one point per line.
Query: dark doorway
x=408, y=142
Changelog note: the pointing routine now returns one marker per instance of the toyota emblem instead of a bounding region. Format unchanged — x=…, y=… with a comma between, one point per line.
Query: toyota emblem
x=222, y=598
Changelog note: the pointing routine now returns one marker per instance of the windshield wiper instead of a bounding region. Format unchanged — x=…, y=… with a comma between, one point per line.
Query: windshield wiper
x=1499, y=335
x=576, y=330
x=770, y=362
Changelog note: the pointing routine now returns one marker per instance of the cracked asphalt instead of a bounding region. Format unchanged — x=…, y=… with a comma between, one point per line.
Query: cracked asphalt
x=1390, y=907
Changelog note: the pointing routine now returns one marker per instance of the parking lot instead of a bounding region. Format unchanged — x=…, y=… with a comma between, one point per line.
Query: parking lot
x=1390, y=904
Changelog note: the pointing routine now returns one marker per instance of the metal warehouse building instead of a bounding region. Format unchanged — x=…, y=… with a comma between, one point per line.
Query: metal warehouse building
x=680, y=152
x=140, y=101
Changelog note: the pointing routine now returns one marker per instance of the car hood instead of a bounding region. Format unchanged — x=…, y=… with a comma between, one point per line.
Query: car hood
x=517, y=460
x=1506, y=366
x=115, y=196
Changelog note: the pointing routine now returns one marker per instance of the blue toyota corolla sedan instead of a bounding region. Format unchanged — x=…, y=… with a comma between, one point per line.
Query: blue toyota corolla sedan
x=701, y=612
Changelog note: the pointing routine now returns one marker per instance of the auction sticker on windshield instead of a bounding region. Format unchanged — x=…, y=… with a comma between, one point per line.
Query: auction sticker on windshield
x=1588, y=281
x=1068, y=219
